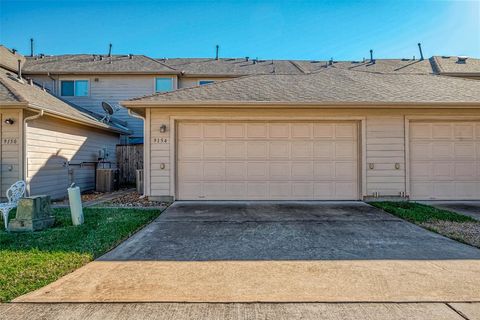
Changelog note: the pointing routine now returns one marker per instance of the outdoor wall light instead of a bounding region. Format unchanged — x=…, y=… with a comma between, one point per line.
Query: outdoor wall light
x=9, y=121
x=163, y=128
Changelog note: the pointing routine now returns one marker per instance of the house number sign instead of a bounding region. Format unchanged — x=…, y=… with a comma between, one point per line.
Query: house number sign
x=160, y=140
x=9, y=140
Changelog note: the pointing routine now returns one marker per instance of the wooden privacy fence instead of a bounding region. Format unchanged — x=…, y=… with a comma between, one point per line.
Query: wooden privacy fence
x=129, y=160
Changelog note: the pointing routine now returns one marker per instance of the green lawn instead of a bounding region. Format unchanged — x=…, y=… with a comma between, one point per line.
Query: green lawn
x=420, y=213
x=29, y=261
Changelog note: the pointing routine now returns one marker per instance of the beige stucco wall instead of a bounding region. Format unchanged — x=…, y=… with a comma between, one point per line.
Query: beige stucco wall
x=52, y=143
x=383, y=142
x=10, y=148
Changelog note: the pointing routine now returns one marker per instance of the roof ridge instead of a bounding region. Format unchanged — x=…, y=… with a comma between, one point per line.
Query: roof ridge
x=160, y=63
x=19, y=97
x=298, y=66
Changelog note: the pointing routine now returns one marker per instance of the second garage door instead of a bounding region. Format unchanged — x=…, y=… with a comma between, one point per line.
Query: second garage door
x=445, y=160
x=267, y=160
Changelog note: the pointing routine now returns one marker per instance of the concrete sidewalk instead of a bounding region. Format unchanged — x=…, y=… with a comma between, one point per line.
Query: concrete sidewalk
x=267, y=281
x=239, y=311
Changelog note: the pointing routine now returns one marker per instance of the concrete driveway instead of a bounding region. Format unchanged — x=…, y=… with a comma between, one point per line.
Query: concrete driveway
x=275, y=252
x=205, y=231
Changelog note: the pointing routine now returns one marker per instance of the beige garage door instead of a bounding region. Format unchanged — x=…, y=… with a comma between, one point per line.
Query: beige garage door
x=267, y=160
x=445, y=160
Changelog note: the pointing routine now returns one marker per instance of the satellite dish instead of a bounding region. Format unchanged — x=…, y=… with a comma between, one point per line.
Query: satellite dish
x=107, y=108
x=109, y=111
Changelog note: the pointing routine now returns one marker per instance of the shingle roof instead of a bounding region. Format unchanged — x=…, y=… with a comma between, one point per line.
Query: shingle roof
x=453, y=65
x=11, y=90
x=6, y=95
x=86, y=64
x=231, y=66
x=235, y=66
x=332, y=85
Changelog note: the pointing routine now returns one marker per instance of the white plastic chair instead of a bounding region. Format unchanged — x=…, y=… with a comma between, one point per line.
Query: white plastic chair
x=14, y=193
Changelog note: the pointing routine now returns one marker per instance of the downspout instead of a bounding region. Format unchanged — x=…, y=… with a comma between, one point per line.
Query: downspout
x=24, y=142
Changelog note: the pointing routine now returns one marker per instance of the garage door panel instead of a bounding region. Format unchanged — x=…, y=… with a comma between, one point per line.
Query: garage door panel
x=324, y=131
x=189, y=130
x=345, y=171
x=443, y=150
x=345, y=150
x=279, y=149
x=190, y=150
x=280, y=170
x=236, y=150
x=257, y=170
x=235, y=130
x=279, y=130
x=235, y=170
x=302, y=170
x=257, y=150
x=464, y=131
x=214, y=130
x=464, y=150
x=267, y=160
x=213, y=149
x=214, y=170
x=256, y=130
x=301, y=130
x=302, y=149
x=324, y=150
x=444, y=160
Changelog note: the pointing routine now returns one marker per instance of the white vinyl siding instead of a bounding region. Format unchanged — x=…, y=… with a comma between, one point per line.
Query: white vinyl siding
x=385, y=144
x=52, y=143
x=10, y=149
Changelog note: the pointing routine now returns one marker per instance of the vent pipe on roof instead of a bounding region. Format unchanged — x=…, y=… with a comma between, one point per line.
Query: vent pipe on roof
x=246, y=58
x=371, y=56
x=330, y=62
x=14, y=51
x=31, y=47
x=216, y=51
x=19, y=74
x=421, y=52
x=110, y=50
x=130, y=56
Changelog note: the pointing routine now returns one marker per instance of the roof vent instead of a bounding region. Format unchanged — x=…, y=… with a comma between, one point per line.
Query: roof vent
x=110, y=50
x=101, y=57
x=247, y=58
x=420, y=49
x=94, y=57
x=130, y=56
x=371, y=56
x=462, y=59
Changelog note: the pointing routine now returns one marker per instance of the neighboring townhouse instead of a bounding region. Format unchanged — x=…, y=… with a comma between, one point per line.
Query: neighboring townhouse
x=87, y=80
x=46, y=141
x=334, y=134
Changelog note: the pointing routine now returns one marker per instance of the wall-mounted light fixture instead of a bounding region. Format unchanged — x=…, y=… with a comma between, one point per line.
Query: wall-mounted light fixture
x=163, y=128
x=9, y=121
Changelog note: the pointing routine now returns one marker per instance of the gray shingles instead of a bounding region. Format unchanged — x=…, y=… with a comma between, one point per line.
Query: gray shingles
x=330, y=85
x=448, y=64
x=85, y=63
x=6, y=95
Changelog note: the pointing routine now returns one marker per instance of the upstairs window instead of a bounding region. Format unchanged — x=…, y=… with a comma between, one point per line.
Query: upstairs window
x=203, y=82
x=71, y=88
x=163, y=84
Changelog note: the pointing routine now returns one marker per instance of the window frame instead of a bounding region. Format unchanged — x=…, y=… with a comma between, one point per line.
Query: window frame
x=172, y=84
x=75, y=87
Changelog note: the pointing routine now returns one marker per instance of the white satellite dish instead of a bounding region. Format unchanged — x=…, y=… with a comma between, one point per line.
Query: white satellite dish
x=109, y=111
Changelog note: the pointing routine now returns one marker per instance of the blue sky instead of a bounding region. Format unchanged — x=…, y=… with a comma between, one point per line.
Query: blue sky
x=264, y=29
